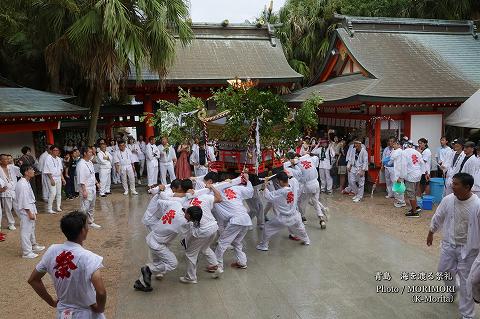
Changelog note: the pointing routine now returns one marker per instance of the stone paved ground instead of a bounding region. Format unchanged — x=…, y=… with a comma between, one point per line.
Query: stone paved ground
x=332, y=278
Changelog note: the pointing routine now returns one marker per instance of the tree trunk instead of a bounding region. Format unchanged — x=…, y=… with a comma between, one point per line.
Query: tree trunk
x=97, y=99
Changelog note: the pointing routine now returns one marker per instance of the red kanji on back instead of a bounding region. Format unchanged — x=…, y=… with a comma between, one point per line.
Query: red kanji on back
x=64, y=264
x=306, y=164
x=230, y=193
x=290, y=197
x=414, y=159
x=195, y=202
x=167, y=218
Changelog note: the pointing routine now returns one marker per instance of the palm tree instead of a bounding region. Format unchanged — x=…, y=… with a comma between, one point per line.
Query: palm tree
x=105, y=39
x=305, y=33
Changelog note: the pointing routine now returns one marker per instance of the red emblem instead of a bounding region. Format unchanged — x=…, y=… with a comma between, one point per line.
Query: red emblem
x=167, y=218
x=230, y=194
x=306, y=164
x=64, y=264
x=195, y=202
x=290, y=197
x=414, y=159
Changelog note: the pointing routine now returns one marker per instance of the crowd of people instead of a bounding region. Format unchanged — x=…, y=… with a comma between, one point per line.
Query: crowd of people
x=209, y=211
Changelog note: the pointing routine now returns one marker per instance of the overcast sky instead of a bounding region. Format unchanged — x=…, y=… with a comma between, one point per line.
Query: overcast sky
x=234, y=11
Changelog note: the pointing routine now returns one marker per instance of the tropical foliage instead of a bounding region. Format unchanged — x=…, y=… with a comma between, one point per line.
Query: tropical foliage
x=173, y=121
x=95, y=44
x=279, y=125
x=306, y=25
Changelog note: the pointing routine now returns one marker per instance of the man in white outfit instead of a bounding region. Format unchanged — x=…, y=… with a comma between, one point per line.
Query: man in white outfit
x=141, y=155
x=75, y=272
x=326, y=156
x=200, y=238
x=414, y=168
x=199, y=160
x=458, y=217
x=9, y=174
x=233, y=213
x=388, y=169
x=284, y=201
x=309, y=187
x=172, y=223
x=471, y=165
x=53, y=168
x=396, y=172
x=86, y=185
x=451, y=165
x=104, y=159
x=168, y=160
x=27, y=211
x=124, y=166
x=357, y=166
x=152, y=155
x=45, y=179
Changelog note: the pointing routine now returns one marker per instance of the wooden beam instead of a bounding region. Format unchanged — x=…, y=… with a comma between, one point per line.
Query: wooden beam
x=29, y=127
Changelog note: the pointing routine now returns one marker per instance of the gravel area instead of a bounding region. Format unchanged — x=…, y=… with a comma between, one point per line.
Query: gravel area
x=108, y=242
x=379, y=211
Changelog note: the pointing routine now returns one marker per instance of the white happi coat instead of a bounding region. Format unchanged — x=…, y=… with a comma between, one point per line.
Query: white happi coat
x=358, y=163
x=472, y=167
x=414, y=165
x=232, y=209
x=152, y=155
x=10, y=181
x=208, y=224
x=453, y=167
x=171, y=223
x=444, y=219
x=309, y=178
x=72, y=280
x=284, y=202
x=329, y=153
x=104, y=159
x=24, y=198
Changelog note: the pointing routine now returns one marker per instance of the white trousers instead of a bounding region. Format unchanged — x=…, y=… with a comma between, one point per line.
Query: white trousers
x=142, y=167
x=326, y=180
x=80, y=314
x=274, y=225
x=105, y=180
x=389, y=181
x=55, y=193
x=152, y=173
x=256, y=209
x=232, y=235
x=127, y=172
x=353, y=179
x=115, y=176
x=312, y=198
x=194, y=247
x=27, y=234
x=400, y=197
x=163, y=260
x=87, y=205
x=45, y=187
x=164, y=168
x=451, y=261
x=7, y=206
x=200, y=170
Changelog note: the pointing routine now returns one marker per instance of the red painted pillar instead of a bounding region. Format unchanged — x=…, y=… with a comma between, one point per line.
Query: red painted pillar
x=148, y=108
x=49, y=134
x=378, y=133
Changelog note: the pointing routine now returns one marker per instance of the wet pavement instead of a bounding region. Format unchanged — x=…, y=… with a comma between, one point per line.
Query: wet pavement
x=334, y=277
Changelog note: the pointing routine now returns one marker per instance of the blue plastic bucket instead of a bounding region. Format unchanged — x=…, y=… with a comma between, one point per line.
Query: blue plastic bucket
x=437, y=186
x=427, y=202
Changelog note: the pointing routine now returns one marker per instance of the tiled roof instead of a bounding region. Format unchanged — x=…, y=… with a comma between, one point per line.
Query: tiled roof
x=340, y=89
x=218, y=53
x=24, y=101
x=411, y=59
